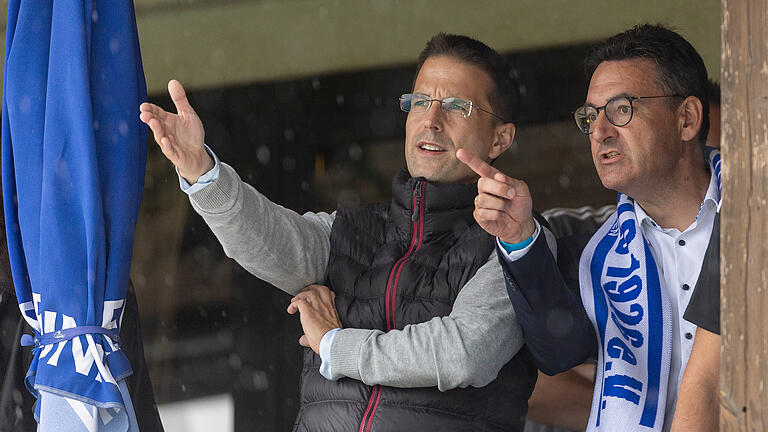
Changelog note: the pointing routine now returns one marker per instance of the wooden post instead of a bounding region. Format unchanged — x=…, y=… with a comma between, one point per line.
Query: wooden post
x=744, y=240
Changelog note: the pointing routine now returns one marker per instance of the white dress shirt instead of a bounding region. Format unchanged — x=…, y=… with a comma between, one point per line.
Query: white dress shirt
x=679, y=257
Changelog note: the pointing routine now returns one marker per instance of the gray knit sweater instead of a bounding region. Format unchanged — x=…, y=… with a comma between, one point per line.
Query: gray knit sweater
x=288, y=250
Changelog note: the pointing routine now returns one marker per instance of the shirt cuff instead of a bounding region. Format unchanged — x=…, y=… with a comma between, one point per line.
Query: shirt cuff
x=515, y=255
x=204, y=180
x=325, y=353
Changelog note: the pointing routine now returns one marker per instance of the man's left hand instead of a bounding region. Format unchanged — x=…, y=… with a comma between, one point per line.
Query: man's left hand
x=317, y=313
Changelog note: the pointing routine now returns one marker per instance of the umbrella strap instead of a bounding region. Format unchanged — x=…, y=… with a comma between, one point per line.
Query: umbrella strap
x=67, y=334
x=71, y=333
x=129, y=411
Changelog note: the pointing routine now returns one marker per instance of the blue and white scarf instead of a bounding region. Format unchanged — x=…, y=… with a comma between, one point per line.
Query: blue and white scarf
x=631, y=312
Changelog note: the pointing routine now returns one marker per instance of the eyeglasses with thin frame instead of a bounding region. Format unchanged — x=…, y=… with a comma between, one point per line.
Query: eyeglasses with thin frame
x=618, y=111
x=452, y=106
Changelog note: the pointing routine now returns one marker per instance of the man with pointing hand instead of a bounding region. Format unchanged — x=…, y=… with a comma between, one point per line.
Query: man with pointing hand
x=646, y=116
x=405, y=307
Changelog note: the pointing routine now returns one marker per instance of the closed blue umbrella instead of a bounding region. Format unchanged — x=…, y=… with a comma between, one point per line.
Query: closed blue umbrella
x=73, y=159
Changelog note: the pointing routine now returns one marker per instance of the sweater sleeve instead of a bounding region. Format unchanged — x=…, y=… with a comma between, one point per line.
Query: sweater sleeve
x=275, y=244
x=558, y=332
x=466, y=348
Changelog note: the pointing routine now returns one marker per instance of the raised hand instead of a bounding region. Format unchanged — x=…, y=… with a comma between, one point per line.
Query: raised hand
x=317, y=309
x=503, y=206
x=180, y=136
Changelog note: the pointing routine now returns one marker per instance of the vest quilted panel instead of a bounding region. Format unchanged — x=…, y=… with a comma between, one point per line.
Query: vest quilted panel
x=399, y=263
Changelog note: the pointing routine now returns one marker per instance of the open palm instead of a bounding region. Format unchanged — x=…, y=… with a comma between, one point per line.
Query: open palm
x=180, y=136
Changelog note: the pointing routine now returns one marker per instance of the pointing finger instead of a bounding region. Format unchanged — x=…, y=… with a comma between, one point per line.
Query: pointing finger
x=477, y=165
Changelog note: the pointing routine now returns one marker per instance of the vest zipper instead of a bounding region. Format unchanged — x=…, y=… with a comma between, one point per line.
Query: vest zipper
x=417, y=236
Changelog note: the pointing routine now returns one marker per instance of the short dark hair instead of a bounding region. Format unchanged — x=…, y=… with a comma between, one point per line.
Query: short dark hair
x=504, y=97
x=713, y=88
x=680, y=68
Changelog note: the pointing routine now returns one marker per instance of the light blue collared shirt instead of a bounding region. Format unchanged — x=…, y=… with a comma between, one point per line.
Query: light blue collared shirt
x=204, y=180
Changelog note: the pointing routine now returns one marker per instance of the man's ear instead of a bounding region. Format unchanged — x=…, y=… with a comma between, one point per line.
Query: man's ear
x=505, y=134
x=691, y=116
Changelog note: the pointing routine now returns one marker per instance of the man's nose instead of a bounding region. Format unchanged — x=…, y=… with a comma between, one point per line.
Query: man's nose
x=434, y=116
x=602, y=129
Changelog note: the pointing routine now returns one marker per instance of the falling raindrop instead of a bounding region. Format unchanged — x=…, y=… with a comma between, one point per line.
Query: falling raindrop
x=235, y=362
x=355, y=152
x=260, y=380
x=289, y=134
x=62, y=172
x=25, y=104
x=289, y=163
x=262, y=154
x=123, y=128
x=114, y=45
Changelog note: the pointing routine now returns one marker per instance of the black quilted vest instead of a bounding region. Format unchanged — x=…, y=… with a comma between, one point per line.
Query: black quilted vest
x=400, y=263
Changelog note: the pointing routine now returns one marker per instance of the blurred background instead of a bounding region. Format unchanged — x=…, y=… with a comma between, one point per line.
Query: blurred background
x=300, y=96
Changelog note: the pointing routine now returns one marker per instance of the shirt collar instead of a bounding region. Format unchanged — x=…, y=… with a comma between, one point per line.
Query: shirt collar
x=711, y=198
x=713, y=193
x=643, y=217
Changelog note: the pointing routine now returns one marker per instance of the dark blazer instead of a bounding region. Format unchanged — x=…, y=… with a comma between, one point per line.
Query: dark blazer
x=557, y=331
x=547, y=301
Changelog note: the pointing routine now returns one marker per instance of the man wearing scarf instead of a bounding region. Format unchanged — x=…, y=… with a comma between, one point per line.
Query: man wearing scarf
x=646, y=116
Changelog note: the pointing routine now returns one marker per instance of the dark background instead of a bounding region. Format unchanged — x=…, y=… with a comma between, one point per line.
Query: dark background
x=308, y=144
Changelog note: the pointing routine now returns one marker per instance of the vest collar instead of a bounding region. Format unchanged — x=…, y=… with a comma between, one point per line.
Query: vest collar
x=447, y=207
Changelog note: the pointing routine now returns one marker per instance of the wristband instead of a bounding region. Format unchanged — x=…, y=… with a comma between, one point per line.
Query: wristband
x=511, y=247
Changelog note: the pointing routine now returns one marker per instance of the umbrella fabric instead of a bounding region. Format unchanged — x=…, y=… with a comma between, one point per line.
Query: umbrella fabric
x=73, y=159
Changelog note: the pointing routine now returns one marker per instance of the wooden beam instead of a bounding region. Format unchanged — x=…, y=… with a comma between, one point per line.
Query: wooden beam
x=234, y=42
x=219, y=43
x=744, y=257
